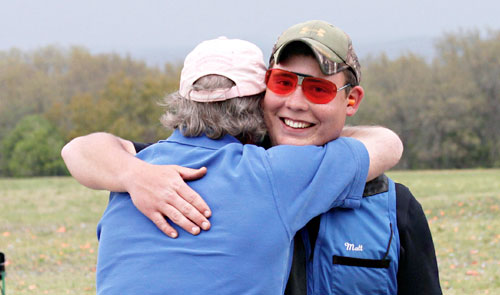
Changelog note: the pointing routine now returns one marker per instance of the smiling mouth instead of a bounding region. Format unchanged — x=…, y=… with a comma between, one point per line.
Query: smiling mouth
x=296, y=124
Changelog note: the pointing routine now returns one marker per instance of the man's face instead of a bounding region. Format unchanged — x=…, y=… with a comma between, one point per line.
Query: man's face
x=294, y=120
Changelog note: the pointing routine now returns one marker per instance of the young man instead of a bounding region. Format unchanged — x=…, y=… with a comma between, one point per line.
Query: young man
x=391, y=249
x=260, y=198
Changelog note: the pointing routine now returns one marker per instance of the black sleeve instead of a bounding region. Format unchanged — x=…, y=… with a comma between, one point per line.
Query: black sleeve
x=140, y=146
x=418, y=271
x=297, y=284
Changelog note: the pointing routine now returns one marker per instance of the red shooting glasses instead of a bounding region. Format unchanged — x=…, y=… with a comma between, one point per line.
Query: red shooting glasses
x=316, y=90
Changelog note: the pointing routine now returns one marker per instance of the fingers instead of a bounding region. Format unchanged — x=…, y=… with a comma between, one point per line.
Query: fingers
x=191, y=174
x=164, y=194
x=162, y=224
x=189, y=194
x=191, y=213
x=178, y=211
x=195, y=200
x=179, y=218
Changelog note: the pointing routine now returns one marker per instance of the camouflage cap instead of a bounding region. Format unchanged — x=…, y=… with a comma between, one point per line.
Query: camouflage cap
x=331, y=46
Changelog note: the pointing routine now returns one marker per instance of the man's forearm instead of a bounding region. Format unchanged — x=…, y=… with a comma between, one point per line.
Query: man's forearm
x=384, y=147
x=101, y=161
x=104, y=161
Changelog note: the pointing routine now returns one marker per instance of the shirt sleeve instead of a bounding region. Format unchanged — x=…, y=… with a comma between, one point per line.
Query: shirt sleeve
x=418, y=269
x=309, y=180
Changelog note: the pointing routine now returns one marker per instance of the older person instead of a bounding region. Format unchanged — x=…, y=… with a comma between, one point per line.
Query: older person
x=260, y=198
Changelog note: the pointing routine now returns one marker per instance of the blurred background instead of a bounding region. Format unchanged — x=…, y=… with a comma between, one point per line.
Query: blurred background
x=430, y=70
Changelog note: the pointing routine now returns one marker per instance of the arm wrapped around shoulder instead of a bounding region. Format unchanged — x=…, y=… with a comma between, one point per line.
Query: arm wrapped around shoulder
x=384, y=147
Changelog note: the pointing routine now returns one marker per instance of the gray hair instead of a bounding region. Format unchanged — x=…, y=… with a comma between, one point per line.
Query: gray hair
x=240, y=117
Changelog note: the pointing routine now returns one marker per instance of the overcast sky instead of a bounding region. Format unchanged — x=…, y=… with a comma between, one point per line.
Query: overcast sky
x=159, y=31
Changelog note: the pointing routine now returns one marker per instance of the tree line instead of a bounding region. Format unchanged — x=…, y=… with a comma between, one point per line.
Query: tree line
x=445, y=110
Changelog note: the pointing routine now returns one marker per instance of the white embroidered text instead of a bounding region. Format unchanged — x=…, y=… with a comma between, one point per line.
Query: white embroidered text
x=351, y=247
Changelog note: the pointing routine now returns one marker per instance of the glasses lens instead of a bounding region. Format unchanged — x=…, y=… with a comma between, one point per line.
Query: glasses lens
x=319, y=91
x=316, y=90
x=281, y=82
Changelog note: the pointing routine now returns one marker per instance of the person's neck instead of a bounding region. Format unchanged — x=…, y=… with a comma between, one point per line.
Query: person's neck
x=265, y=142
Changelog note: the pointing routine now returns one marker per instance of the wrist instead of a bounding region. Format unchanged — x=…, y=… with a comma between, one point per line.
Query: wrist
x=130, y=172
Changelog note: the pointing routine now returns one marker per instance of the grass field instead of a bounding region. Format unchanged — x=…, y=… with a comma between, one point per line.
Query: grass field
x=47, y=231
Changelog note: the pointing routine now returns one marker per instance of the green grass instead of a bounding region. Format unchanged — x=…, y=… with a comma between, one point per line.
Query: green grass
x=48, y=234
x=462, y=207
x=48, y=230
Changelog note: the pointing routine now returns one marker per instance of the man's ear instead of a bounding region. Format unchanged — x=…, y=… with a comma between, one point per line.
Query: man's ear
x=354, y=99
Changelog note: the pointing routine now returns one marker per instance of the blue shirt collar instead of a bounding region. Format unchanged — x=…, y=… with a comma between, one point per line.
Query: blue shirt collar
x=202, y=140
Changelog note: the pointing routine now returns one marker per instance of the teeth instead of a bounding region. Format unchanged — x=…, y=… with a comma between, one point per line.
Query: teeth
x=295, y=124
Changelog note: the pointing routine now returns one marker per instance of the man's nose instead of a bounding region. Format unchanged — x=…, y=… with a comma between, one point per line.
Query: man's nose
x=297, y=101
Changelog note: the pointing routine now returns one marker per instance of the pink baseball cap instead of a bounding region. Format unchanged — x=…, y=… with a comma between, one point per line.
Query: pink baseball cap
x=238, y=60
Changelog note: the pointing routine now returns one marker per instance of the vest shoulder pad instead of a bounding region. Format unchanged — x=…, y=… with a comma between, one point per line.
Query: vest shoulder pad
x=376, y=186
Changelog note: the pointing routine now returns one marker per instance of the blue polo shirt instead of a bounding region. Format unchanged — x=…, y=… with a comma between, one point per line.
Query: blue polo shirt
x=259, y=199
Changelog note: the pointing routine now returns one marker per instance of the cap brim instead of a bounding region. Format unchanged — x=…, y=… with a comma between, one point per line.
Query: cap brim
x=317, y=48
